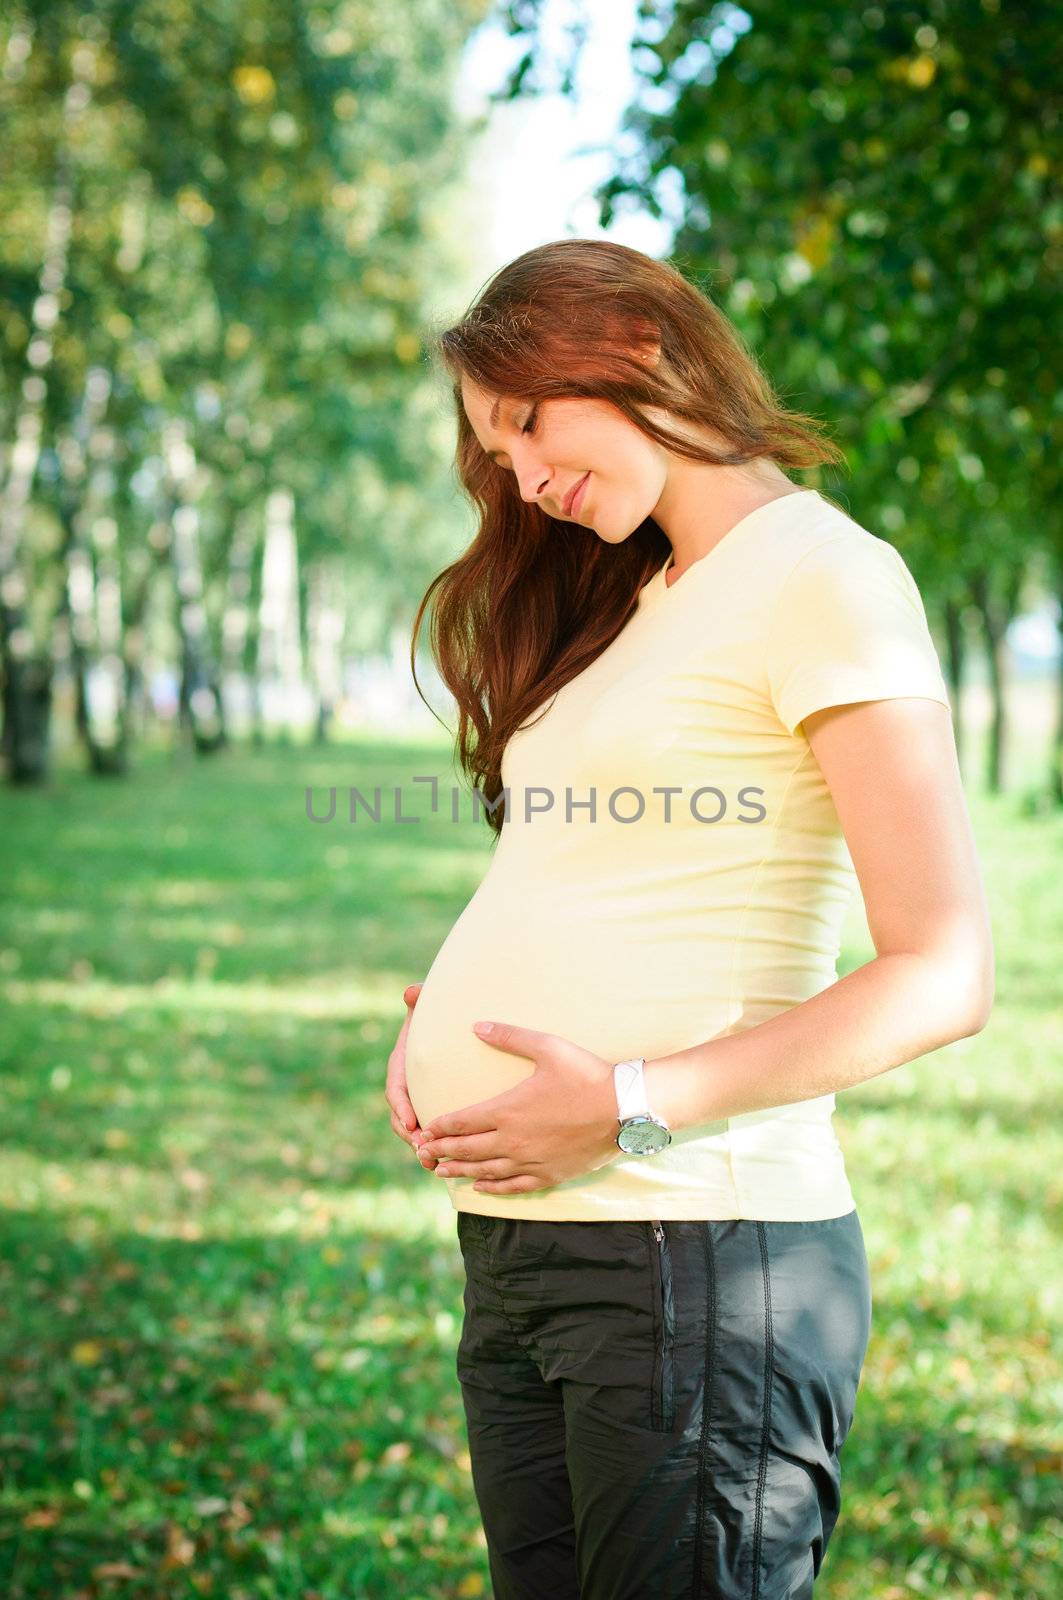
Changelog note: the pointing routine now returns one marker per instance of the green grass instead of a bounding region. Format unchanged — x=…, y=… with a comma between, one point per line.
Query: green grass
x=231, y=1299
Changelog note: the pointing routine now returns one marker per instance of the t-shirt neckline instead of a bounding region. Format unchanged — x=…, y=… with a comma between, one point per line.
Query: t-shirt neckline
x=655, y=589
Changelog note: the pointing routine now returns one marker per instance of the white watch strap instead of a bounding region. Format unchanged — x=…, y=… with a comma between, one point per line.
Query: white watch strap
x=630, y=1084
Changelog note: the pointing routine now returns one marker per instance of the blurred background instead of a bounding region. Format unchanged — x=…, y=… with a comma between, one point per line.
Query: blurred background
x=231, y=1298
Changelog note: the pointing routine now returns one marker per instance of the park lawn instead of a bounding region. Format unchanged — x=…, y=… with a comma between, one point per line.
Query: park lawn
x=230, y=1298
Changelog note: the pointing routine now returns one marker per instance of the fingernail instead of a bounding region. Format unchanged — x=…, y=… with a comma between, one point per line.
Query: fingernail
x=482, y=1027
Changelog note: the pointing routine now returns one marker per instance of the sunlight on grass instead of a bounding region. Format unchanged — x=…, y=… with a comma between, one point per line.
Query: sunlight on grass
x=234, y=1298
x=335, y=995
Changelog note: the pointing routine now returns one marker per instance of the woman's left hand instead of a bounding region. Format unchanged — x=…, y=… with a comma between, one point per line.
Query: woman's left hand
x=556, y=1124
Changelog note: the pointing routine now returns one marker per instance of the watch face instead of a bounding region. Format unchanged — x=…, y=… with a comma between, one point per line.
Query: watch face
x=643, y=1137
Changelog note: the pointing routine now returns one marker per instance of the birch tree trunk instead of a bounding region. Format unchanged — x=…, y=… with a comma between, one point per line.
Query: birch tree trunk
x=200, y=704
x=324, y=628
x=157, y=553
x=89, y=623
x=236, y=622
x=26, y=698
x=279, y=642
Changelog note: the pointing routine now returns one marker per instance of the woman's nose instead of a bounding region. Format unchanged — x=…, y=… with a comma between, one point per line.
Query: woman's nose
x=535, y=486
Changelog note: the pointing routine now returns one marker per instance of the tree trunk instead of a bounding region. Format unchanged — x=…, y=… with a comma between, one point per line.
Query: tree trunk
x=279, y=640
x=995, y=616
x=1055, y=765
x=200, y=708
x=27, y=711
x=252, y=651
x=150, y=554
x=91, y=605
x=237, y=614
x=955, y=662
x=27, y=674
x=324, y=627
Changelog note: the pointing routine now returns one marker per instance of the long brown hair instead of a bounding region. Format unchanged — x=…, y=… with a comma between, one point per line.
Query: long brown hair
x=533, y=600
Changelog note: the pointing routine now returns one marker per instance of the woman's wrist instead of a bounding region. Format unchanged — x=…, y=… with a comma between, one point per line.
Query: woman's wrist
x=677, y=1089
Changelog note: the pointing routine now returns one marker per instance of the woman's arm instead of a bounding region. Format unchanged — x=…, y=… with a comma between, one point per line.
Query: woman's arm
x=892, y=770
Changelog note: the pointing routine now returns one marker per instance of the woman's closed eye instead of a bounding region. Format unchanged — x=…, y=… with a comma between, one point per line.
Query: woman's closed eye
x=527, y=427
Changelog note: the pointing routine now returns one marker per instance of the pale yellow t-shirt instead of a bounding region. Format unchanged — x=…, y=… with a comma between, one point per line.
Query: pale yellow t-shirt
x=671, y=919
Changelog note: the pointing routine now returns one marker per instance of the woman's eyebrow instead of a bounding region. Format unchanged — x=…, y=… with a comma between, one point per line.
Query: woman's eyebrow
x=493, y=419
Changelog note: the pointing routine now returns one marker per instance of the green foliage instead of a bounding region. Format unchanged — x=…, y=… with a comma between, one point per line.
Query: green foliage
x=259, y=234
x=871, y=193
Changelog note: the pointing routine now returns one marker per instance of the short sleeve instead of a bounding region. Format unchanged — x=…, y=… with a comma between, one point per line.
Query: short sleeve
x=849, y=624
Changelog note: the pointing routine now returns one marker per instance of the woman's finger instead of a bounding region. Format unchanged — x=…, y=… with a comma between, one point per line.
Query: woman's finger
x=501, y=1168
x=401, y=1107
x=428, y=1162
x=403, y=1115
x=404, y=1125
x=403, y=1132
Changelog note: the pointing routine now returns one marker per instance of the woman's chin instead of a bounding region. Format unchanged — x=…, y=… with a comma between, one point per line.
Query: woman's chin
x=609, y=536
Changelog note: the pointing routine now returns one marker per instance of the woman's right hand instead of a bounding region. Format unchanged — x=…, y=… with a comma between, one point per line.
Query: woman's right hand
x=403, y=1116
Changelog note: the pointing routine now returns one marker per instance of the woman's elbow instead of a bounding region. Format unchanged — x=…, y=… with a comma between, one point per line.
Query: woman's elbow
x=981, y=1015
x=963, y=975
x=980, y=987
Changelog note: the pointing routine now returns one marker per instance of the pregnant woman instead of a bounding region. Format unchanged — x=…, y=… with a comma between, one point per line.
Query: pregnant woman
x=698, y=702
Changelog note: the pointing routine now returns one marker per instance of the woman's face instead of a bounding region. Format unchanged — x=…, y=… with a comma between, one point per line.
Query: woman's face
x=551, y=444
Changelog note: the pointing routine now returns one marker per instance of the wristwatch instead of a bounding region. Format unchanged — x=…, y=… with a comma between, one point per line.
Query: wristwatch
x=641, y=1133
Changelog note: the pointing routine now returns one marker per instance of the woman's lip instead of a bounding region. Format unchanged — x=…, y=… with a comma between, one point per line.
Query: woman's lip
x=578, y=496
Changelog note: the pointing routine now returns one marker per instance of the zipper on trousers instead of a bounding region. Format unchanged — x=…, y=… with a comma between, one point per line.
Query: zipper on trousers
x=663, y=1417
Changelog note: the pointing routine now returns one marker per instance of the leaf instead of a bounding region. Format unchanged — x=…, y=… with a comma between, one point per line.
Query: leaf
x=43, y=1517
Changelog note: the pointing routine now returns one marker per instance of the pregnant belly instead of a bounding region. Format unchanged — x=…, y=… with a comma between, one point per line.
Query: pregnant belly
x=616, y=990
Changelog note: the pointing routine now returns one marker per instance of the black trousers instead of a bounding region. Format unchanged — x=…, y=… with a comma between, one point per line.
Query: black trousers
x=655, y=1410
